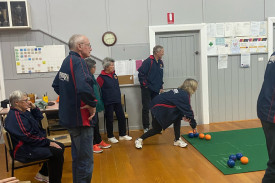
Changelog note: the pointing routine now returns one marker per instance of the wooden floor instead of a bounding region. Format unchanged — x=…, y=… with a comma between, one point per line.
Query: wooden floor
x=159, y=161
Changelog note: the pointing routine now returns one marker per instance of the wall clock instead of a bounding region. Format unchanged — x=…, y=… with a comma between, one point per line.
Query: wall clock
x=109, y=38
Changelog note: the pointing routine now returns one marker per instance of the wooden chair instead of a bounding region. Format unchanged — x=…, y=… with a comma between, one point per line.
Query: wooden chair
x=16, y=164
x=64, y=138
x=6, y=154
x=123, y=103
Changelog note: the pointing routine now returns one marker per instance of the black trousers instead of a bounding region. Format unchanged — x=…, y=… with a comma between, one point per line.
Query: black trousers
x=97, y=136
x=269, y=131
x=109, y=114
x=157, y=129
x=146, y=95
x=54, y=167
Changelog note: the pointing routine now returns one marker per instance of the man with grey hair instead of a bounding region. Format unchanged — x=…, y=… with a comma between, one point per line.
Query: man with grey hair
x=77, y=106
x=150, y=76
x=23, y=122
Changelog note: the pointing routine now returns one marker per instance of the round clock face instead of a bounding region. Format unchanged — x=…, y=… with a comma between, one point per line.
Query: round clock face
x=109, y=38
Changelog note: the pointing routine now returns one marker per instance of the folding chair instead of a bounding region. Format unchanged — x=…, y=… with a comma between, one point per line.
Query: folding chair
x=16, y=164
x=64, y=138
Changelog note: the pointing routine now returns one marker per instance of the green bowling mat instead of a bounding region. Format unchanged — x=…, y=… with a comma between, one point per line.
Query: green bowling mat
x=249, y=142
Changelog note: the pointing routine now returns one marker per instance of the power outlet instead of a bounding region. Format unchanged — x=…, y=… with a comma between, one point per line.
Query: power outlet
x=260, y=59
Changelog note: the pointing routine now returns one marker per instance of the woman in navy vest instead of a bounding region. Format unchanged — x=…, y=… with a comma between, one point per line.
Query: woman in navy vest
x=111, y=96
x=170, y=108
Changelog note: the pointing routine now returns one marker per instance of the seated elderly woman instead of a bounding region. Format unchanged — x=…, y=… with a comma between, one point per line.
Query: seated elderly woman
x=111, y=96
x=29, y=138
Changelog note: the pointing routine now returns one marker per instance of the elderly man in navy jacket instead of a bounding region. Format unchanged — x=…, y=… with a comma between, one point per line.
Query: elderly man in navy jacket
x=170, y=108
x=266, y=113
x=77, y=106
x=29, y=138
x=151, y=80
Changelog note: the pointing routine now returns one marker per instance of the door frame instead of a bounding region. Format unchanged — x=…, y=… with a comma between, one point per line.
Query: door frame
x=202, y=28
x=270, y=23
x=2, y=85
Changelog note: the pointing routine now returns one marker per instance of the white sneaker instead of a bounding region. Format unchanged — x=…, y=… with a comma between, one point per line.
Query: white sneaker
x=113, y=140
x=126, y=137
x=180, y=143
x=42, y=178
x=139, y=143
x=145, y=130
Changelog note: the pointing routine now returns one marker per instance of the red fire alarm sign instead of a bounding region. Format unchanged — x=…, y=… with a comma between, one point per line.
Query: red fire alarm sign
x=170, y=18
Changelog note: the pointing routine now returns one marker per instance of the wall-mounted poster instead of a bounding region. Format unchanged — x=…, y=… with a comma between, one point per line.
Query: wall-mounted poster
x=32, y=59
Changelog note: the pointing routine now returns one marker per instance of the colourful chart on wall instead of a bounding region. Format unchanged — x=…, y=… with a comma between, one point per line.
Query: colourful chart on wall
x=33, y=59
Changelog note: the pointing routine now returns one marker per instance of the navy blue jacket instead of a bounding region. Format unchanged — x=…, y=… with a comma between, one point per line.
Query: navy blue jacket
x=27, y=135
x=73, y=84
x=150, y=74
x=109, y=87
x=266, y=99
x=171, y=106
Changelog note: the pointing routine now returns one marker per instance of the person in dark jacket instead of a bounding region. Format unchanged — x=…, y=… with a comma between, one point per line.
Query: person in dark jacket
x=170, y=108
x=111, y=96
x=77, y=106
x=29, y=138
x=266, y=113
x=98, y=142
x=150, y=76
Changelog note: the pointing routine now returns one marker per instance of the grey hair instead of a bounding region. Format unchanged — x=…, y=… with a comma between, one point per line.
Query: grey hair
x=16, y=96
x=90, y=62
x=106, y=62
x=156, y=49
x=190, y=86
x=74, y=40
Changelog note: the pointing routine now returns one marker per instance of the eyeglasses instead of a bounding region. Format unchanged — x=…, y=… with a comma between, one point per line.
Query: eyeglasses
x=26, y=100
x=89, y=45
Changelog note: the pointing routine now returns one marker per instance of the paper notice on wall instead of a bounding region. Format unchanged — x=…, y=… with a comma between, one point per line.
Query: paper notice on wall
x=255, y=28
x=211, y=47
x=253, y=45
x=235, y=46
x=222, y=61
x=263, y=28
x=211, y=30
x=262, y=45
x=244, y=45
x=219, y=29
x=229, y=30
x=120, y=67
x=245, y=60
x=138, y=64
x=242, y=29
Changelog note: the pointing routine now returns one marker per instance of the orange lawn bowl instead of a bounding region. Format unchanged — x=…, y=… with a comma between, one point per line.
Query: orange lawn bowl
x=244, y=160
x=190, y=132
x=201, y=136
x=208, y=137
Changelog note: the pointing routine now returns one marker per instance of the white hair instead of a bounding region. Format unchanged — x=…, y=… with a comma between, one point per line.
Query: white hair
x=106, y=62
x=16, y=96
x=75, y=40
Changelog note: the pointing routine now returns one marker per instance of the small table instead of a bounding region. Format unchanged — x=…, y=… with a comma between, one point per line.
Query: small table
x=48, y=109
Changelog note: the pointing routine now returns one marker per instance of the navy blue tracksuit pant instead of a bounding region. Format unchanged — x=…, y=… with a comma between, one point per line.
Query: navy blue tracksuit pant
x=269, y=129
x=109, y=114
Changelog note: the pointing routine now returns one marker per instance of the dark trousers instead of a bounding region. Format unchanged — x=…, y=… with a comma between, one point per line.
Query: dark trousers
x=54, y=167
x=157, y=129
x=269, y=131
x=97, y=136
x=109, y=114
x=82, y=153
x=146, y=95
